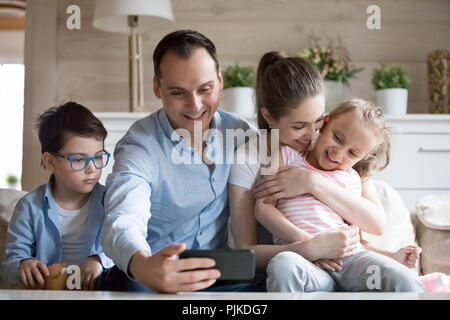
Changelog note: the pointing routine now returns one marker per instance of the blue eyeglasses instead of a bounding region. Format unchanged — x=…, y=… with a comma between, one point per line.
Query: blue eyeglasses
x=78, y=163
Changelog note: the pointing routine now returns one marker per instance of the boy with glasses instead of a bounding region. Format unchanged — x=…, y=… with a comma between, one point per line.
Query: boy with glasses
x=60, y=222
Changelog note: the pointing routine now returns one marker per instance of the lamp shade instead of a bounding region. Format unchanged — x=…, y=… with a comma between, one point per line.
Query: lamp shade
x=112, y=15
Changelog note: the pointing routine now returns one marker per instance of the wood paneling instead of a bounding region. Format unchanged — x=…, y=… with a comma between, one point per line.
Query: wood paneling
x=92, y=64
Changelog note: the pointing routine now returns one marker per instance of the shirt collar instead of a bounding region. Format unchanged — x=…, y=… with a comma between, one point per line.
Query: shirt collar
x=96, y=191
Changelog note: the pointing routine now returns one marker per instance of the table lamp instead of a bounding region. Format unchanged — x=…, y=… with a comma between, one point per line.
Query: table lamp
x=134, y=17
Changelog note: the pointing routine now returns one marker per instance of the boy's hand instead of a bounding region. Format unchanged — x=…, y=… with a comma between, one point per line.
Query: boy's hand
x=334, y=265
x=90, y=269
x=408, y=256
x=32, y=273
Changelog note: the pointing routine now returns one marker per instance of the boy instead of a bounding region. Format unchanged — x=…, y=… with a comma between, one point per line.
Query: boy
x=60, y=222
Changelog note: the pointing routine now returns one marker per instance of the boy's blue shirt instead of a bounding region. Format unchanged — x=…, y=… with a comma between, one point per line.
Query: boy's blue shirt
x=34, y=230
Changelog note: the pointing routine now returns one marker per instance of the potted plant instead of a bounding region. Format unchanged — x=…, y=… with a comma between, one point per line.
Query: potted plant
x=12, y=181
x=391, y=83
x=334, y=65
x=238, y=94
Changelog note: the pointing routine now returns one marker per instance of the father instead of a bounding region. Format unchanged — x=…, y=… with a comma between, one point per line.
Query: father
x=156, y=208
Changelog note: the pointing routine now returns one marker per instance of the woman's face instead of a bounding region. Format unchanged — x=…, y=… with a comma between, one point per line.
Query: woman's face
x=301, y=125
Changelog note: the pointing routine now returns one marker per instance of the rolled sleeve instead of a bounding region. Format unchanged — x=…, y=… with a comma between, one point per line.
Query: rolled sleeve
x=127, y=206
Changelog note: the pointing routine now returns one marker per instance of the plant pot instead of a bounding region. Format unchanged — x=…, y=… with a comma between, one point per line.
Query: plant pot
x=14, y=186
x=335, y=93
x=239, y=100
x=393, y=101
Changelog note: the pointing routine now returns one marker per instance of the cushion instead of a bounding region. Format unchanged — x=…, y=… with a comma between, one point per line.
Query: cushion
x=432, y=219
x=400, y=231
x=8, y=200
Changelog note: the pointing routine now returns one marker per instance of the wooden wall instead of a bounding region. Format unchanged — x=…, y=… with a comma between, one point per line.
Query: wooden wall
x=90, y=66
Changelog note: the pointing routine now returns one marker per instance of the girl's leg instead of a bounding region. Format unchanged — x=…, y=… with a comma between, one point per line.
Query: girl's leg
x=369, y=271
x=290, y=272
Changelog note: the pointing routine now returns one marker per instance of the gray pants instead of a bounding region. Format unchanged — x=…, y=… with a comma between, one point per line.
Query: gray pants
x=364, y=271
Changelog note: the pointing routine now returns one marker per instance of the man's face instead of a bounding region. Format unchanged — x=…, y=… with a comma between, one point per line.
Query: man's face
x=189, y=89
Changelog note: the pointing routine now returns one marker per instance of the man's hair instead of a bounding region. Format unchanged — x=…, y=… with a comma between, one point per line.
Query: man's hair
x=70, y=118
x=183, y=43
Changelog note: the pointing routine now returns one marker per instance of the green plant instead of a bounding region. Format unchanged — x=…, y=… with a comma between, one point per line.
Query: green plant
x=11, y=179
x=332, y=61
x=238, y=76
x=390, y=76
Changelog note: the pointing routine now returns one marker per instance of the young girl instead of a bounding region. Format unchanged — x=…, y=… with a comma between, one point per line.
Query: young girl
x=354, y=136
x=290, y=100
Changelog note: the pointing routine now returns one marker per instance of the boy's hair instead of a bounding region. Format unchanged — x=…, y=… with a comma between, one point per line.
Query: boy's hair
x=282, y=83
x=70, y=118
x=373, y=118
x=183, y=43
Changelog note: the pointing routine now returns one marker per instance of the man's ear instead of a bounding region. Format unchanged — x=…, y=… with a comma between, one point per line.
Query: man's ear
x=156, y=87
x=48, y=161
x=220, y=78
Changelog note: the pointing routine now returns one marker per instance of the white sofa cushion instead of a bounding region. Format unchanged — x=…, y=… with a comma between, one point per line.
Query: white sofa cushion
x=400, y=231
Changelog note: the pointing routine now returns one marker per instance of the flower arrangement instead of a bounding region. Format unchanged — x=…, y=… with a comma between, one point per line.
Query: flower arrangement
x=390, y=76
x=332, y=61
x=238, y=76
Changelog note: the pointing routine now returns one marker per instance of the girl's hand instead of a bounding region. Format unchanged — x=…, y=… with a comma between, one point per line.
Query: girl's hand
x=335, y=243
x=90, y=269
x=329, y=264
x=32, y=273
x=288, y=182
x=408, y=256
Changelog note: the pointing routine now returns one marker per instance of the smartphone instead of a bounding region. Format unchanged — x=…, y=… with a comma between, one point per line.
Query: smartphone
x=232, y=264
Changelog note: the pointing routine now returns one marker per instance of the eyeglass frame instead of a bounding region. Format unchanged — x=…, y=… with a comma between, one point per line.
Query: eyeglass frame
x=88, y=159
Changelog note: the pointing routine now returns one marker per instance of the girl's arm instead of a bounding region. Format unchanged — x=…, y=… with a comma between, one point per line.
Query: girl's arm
x=274, y=221
x=332, y=244
x=366, y=211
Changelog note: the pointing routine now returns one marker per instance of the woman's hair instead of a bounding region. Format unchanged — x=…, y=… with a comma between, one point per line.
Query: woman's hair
x=282, y=83
x=373, y=118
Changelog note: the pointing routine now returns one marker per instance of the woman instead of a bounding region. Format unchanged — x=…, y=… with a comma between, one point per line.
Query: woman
x=290, y=98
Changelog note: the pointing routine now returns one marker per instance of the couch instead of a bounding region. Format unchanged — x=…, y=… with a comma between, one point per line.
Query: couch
x=428, y=226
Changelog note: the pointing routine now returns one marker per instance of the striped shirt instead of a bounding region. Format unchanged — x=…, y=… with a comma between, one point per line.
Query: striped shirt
x=306, y=211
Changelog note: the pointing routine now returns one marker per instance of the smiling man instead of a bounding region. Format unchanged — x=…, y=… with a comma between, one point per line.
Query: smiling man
x=155, y=207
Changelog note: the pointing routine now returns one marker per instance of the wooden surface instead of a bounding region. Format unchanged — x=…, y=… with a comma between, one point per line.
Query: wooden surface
x=107, y=295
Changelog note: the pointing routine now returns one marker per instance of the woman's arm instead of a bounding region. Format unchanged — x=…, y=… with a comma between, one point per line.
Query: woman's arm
x=366, y=211
x=274, y=221
x=332, y=244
